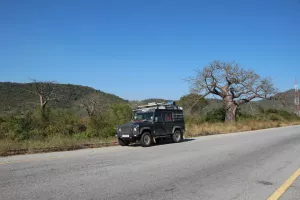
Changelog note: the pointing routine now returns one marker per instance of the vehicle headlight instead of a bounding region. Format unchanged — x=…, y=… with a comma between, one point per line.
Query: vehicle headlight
x=119, y=129
x=136, y=128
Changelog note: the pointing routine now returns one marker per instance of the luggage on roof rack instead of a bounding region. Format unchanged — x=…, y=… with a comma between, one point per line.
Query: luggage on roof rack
x=164, y=106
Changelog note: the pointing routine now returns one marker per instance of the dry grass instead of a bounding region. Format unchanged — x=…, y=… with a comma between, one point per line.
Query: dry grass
x=221, y=128
x=57, y=143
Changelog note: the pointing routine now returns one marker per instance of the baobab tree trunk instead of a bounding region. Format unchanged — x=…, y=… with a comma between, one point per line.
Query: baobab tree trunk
x=230, y=109
x=230, y=113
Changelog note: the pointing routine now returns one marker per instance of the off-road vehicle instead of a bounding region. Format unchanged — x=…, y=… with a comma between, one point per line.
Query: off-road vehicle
x=152, y=123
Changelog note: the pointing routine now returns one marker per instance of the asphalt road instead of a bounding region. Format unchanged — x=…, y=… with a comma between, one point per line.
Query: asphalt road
x=250, y=165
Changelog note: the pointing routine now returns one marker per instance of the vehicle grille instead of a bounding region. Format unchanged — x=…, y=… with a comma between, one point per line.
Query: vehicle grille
x=126, y=130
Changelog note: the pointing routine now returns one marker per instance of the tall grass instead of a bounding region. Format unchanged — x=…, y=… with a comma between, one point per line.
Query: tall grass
x=221, y=128
x=53, y=143
x=213, y=123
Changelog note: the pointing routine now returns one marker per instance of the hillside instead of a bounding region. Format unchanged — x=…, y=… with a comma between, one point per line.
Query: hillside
x=18, y=97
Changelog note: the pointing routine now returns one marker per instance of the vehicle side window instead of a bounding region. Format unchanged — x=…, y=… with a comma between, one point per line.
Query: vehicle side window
x=157, y=114
x=158, y=117
x=167, y=117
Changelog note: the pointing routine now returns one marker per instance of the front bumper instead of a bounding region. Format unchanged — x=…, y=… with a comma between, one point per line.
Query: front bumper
x=127, y=136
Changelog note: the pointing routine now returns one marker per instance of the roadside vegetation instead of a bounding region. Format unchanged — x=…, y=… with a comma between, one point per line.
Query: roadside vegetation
x=213, y=122
x=72, y=117
x=60, y=130
x=64, y=130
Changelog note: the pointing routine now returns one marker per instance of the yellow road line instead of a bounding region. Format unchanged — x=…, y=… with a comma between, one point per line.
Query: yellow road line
x=279, y=192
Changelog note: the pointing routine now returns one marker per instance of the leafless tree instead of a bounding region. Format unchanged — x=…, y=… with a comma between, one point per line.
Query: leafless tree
x=234, y=85
x=46, y=92
x=94, y=105
x=282, y=98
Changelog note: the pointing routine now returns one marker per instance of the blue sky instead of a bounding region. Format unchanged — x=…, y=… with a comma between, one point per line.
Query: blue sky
x=142, y=49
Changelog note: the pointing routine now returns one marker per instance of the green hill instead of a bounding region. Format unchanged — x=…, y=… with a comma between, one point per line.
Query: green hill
x=20, y=97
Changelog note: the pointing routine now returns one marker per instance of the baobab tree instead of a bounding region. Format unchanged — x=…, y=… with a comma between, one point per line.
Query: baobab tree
x=234, y=85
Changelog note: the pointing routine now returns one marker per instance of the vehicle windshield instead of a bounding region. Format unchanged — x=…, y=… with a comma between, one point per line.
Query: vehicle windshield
x=146, y=116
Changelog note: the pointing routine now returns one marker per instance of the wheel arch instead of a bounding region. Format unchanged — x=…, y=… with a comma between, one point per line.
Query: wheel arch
x=144, y=129
x=175, y=128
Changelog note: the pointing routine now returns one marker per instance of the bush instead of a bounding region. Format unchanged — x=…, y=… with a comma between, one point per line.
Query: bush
x=281, y=115
x=34, y=125
x=274, y=117
x=216, y=115
x=192, y=103
x=196, y=120
x=17, y=127
x=245, y=116
x=104, y=124
x=119, y=114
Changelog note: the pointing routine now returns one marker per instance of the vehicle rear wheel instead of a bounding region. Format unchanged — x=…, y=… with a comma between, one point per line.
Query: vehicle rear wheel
x=177, y=136
x=146, y=139
x=123, y=142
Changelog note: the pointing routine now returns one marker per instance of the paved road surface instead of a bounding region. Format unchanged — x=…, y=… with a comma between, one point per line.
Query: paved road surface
x=248, y=165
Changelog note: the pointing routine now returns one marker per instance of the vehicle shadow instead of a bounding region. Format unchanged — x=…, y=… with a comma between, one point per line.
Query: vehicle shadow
x=166, y=141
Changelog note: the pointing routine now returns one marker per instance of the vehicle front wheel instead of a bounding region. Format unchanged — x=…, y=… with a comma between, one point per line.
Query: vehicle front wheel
x=146, y=139
x=123, y=142
x=177, y=136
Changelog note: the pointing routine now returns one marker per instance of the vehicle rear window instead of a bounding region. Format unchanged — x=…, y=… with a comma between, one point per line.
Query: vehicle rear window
x=167, y=117
x=177, y=116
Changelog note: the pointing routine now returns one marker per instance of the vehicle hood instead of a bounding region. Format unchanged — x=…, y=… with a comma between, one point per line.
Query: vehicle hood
x=134, y=123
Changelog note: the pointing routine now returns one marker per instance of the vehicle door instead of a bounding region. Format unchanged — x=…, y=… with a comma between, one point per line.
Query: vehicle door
x=168, y=122
x=159, y=124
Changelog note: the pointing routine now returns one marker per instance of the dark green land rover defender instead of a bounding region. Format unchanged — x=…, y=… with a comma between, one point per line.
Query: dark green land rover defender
x=151, y=123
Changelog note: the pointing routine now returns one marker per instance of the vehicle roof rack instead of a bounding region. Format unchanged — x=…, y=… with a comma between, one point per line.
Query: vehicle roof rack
x=160, y=106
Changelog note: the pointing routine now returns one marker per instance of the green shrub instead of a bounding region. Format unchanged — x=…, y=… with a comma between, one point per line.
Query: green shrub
x=17, y=127
x=34, y=125
x=192, y=103
x=119, y=114
x=245, y=116
x=283, y=114
x=193, y=119
x=275, y=117
x=83, y=135
x=104, y=124
x=216, y=115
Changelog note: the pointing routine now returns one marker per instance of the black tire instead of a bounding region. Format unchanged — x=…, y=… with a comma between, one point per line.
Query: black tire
x=146, y=139
x=123, y=142
x=177, y=136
